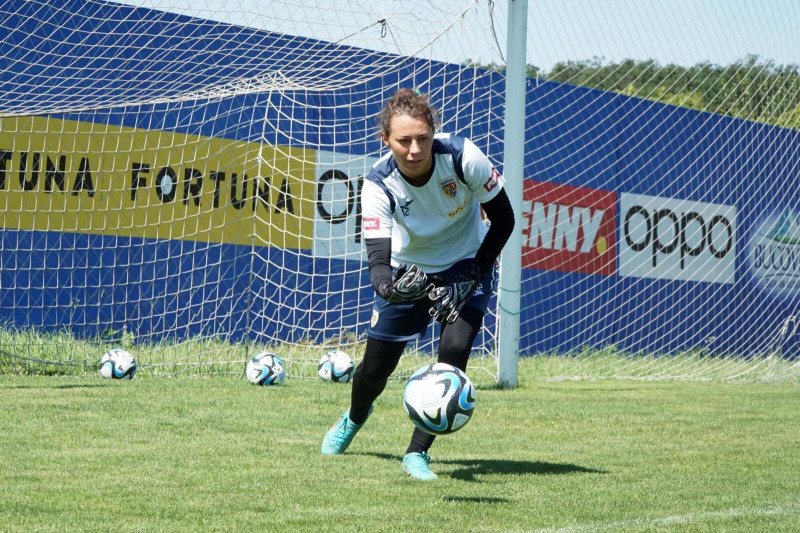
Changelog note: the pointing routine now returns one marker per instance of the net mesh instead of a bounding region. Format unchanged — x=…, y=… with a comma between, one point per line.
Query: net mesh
x=183, y=178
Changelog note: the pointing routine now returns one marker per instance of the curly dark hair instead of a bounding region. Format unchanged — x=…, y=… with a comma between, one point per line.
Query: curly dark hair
x=411, y=103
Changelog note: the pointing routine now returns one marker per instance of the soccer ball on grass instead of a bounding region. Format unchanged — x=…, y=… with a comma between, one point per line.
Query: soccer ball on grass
x=335, y=366
x=118, y=364
x=439, y=399
x=265, y=369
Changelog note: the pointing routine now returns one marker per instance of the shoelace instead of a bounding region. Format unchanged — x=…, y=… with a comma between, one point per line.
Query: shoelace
x=425, y=457
x=340, y=436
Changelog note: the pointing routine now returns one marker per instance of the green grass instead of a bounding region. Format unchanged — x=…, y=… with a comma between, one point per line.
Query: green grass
x=34, y=352
x=217, y=454
x=30, y=351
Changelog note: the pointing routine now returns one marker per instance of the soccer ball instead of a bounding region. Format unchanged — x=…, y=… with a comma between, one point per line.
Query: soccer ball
x=118, y=364
x=439, y=399
x=336, y=366
x=265, y=369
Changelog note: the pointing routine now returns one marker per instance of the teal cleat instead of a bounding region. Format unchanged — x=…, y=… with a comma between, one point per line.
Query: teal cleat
x=341, y=434
x=416, y=466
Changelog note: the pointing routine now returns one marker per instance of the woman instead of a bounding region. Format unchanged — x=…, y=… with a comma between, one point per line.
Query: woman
x=421, y=206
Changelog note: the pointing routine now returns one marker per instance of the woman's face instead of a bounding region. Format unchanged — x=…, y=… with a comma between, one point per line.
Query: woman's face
x=411, y=142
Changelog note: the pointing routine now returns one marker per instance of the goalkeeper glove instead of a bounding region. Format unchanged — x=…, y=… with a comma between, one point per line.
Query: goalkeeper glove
x=408, y=284
x=450, y=299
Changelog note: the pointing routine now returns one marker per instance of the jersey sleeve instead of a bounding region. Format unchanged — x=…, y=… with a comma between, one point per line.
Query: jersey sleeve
x=483, y=179
x=376, y=211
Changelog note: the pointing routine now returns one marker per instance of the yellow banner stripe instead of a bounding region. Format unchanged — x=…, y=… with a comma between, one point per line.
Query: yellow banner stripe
x=83, y=177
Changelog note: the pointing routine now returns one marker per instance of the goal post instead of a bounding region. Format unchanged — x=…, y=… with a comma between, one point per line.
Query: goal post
x=508, y=302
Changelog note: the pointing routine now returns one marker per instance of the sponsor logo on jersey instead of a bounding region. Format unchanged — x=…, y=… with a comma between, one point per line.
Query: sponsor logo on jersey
x=371, y=223
x=774, y=253
x=457, y=210
x=569, y=229
x=669, y=238
x=449, y=186
x=493, y=180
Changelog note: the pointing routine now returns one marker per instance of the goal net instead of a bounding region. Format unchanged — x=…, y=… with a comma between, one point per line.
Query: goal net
x=182, y=178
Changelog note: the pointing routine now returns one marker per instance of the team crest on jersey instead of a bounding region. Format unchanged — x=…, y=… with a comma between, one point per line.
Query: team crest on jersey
x=449, y=186
x=375, y=316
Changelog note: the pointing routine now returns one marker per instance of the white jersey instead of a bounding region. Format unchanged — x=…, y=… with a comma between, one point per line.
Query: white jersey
x=437, y=224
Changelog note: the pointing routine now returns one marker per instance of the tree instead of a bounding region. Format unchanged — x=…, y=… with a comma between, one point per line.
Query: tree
x=749, y=88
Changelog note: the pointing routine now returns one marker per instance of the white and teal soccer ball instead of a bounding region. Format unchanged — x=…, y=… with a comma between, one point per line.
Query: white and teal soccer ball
x=439, y=399
x=118, y=364
x=265, y=369
x=336, y=366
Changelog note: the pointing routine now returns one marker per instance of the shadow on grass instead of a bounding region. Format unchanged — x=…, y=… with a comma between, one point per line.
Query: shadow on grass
x=571, y=388
x=467, y=469
x=490, y=386
x=479, y=499
x=589, y=388
x=68, y=386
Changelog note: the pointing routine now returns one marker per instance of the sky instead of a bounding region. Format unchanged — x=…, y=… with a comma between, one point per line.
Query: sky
x=684, y=32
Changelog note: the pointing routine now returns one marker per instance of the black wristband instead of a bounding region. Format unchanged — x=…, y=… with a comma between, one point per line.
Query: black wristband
x=384, y=287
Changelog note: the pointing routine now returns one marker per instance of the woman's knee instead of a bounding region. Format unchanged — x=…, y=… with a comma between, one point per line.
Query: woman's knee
x=455, y=353
x=380, y=360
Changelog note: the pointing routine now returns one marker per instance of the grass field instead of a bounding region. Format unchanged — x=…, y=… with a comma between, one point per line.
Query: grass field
x=217, y=454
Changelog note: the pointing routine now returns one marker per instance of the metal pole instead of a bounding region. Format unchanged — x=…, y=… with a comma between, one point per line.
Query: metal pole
x=513, y=167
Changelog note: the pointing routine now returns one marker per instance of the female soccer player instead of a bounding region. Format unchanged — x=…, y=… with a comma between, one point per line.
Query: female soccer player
x=421, y=206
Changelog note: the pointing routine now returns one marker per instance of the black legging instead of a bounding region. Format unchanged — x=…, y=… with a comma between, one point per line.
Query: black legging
x=381, y=358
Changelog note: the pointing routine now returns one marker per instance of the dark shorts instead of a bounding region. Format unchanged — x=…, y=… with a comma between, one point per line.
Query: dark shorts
x=409, y=321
